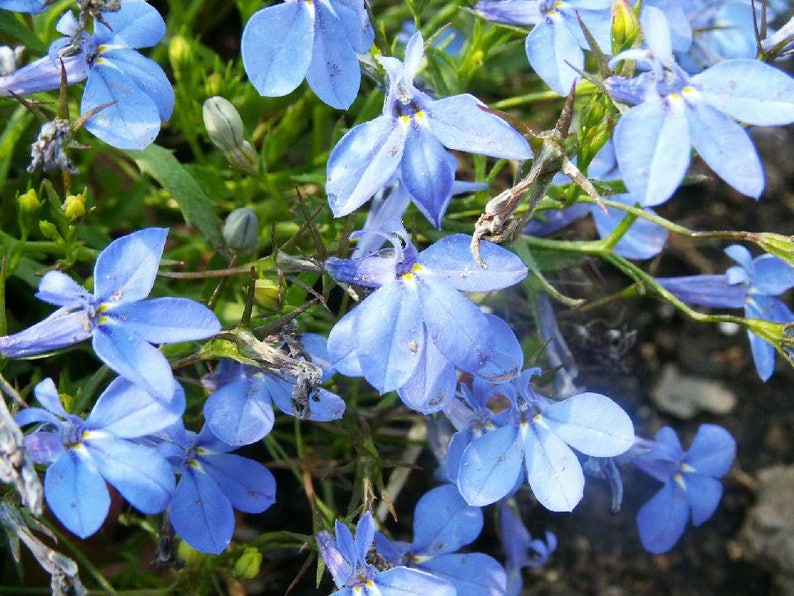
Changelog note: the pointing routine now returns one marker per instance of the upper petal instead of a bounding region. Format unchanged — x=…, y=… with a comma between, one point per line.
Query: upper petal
x=126, y=269
x=490, y=466
x=444, y=522
x=58, y=288
x=166, y=320
x=137, y=25
x=552, y=49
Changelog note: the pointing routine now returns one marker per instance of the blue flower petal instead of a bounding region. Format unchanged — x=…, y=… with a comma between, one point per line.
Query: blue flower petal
x=240, y=413
x=712, y=451
x=662, y=520
x=147, y=75
x=706, y=290
x=64, y=327
x=490, y=466
x=550, y=48
x=277, y=47
x=200, y=512
x=553, y=471
x=652, y=147
x=472, y=574
x=506, y=358
x=411, y=582
x=249, y=486
x=137, y=25
x=76, y=493
x=432, y=384
x=342, y=346
x=61, y=290
x=125, y=271
x=362, y=162
x=704, y=496
x=773, y=276
x=166, y=320
x=444, y=522
x=139, y=473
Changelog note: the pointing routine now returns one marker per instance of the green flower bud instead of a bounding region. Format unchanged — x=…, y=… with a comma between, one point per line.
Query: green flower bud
x=267, y=294
x=247, y=566
x=189, y=555
x=74, y=206
x=225, y=129
x=776, y=244
x=49, y=231
x=180, y=54
x=241, y=230
x=214, y=85
x=29, y=207
x=626, y=26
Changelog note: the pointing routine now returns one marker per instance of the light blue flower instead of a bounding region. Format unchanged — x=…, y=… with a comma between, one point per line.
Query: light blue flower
x=315, y=40
x=751, y=285
x=521, y=549
x=691, y=485
x=83, y=455
x=121, y=324
x=212, y=483
x=348, y=563
x=674, y=112
x=443, y=524
x=556, y=42
x=410, y=139
x=32, y=6
x=134, y=90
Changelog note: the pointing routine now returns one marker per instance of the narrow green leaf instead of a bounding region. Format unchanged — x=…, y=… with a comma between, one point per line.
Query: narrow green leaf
x=11, y=25
x=197, y=208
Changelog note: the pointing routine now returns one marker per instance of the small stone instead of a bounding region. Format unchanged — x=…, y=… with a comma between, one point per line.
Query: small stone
x=685, y=396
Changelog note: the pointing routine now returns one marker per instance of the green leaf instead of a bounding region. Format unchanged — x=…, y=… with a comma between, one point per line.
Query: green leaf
x=196, y=207
x=11, y=25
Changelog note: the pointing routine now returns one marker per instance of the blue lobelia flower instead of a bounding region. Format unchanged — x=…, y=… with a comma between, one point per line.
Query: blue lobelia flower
x=539, y=434
x=212, y=483
x=521, y=549
x=443, y=524
x=675, y=111
x=357, y=573
x=556, y=42
x=134, y=90
x=32, y=6
x=691, y=485
x=83, y=455
x=751, y=285
x=409, y=140
x=239, y=410
x=318, y=41
x=643, y=240
x=415, y=328
x=121, y=324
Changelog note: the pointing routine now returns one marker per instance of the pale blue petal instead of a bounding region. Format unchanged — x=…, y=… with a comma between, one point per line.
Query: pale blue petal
x=321, y=406
x=656, y=30
x=147, y=75
x=450, y=258
x=773, y=276
x=653, y=149
x=510, y=12
x=334, y=74
x=426, y=171
x=506, y=358
x=472, y=574
x=460, y=124
x=345, y=541
x=704, y=496
x=276, y=47
x=454, y=323
x=139, y=473
x=128, y=411
x=47, y=395
x=490, y=466
x=390, y=336
x=706, y=290
x=763, y=356
x=643, y=240
x=43, y=447
x=125, y=271
x=316, y=346
x=749, y=91
x=401, y=581
x=64, y=327
x=414, y=54
x=342, y=342
x=365, y=534
x=132, y=121
x=741, y=255
x=249, y=486
x=662, y=520
x=553, y=471
x=76, y=493
x=134, y=359
x=591, y=423
x=712, y=451
x=44, y=74
x=166, y=320
x=432, y=384
x=61, y=290
x=727, y=148
x=201, y=514
x=137, y=25
x=354, y=18
x=444, y=522
x=240, y=413
x=550, y=48
x=362, y=162
x=31, y=6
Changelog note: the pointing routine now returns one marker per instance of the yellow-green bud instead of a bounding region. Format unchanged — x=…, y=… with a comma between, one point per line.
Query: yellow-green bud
x=214, y=85
x=225, y=129
x=29, y=207
x=626, y=26
x=241, y=230
x=180, y=54
x=267, y=294
x=49, y=231
x=776, y=244
x=247, y=566
x=189, y=555
x=74, y=206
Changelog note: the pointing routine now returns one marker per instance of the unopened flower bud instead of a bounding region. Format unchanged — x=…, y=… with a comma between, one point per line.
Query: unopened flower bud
x=29, y=207
x=241, y=230
x=225, y=129
x=626, y=26
x=74, y=206
x=267, y=294
x=247, y=566
x=180, y=54
x=49, y=231
x=213, y=84
x=189, y=555
x=777, y=244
